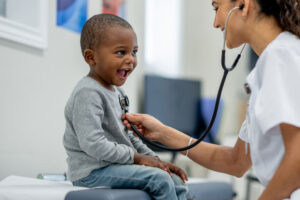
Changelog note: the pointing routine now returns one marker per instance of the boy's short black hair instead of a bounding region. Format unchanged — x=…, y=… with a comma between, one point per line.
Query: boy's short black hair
x=94, y=29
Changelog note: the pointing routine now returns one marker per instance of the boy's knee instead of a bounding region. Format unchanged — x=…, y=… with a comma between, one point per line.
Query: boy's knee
x=164, y=178
x=165, y=185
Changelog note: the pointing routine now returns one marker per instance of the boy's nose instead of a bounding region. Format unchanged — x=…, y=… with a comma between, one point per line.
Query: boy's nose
x=130, y=59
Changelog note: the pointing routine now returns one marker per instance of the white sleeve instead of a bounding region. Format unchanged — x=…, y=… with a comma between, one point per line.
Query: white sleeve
x=278, y=100
x=243, y=135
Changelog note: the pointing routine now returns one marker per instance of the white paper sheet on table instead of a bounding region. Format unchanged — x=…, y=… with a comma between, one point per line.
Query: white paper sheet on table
x=196, y=180
x=23, y=188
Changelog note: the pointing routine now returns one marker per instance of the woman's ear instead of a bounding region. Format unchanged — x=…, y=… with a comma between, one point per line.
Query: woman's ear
x=89, y=57
x=246, y=8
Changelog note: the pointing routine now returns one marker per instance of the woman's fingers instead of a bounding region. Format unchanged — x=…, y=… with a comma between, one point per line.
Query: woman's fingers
x=140, y=130
x=140, y=126
x=134, y=118
x=126, y=123
x=123, y=117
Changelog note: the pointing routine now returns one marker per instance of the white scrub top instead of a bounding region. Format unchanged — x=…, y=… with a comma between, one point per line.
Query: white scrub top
x=274, y=99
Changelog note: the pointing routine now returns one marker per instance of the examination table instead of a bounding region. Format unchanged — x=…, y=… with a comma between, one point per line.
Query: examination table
x=198, y=190
x=16, y=188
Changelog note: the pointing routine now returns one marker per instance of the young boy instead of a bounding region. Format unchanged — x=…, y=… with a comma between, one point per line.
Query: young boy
x=101, y=152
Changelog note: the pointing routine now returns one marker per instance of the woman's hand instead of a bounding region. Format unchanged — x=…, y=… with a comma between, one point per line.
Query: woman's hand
x=149, y=126
x=156, y=162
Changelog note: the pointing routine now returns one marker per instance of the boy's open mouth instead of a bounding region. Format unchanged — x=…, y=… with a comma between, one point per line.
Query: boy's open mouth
x=123, y=73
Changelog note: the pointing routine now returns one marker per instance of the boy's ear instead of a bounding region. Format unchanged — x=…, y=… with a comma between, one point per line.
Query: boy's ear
x=89, y=57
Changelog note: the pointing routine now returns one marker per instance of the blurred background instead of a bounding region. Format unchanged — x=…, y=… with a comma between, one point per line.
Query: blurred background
x=41, y=62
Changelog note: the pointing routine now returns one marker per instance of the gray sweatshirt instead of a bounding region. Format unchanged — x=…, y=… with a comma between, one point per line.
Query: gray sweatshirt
x=95, y=136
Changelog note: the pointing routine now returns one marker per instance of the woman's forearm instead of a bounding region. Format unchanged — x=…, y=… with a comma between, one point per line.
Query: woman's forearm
x=173, y=138
x=285, y=180
x=230, y=160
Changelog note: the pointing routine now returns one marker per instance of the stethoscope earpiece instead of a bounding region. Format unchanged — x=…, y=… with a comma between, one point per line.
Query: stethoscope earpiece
x=227, y=69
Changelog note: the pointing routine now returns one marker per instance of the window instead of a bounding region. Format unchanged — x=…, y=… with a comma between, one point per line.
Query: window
x=24, y=22
x=163, y=37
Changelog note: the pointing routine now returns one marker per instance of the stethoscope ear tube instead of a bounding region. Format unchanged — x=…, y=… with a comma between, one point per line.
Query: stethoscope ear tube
x=234, y=63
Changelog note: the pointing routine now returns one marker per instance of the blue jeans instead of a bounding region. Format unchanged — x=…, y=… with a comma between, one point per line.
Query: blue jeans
x=158, y=183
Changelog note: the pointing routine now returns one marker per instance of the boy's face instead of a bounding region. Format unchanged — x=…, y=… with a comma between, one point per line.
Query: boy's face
x=115, y=58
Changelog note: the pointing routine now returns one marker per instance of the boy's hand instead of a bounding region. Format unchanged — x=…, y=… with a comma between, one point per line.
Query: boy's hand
x=156, y=162
x=178, y=171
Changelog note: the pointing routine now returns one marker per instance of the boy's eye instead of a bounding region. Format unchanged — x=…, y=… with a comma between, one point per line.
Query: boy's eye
x=121, y=52
x=134, y=52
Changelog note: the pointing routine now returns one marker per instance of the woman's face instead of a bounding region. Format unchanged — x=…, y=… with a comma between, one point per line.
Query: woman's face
x=235, y=24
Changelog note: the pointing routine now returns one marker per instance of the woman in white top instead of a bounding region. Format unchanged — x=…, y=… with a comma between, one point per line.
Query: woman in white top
x=269, y=139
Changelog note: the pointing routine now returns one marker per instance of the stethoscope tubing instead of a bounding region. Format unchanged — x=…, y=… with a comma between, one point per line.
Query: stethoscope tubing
x=203, y=135
x=226, y=71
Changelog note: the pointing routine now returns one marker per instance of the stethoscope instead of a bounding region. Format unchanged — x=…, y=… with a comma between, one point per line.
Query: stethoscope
x=124, y=101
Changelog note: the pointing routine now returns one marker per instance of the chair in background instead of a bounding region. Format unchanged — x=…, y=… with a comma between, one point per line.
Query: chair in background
x=250, y=179
x=206, y=108
x=174, y=101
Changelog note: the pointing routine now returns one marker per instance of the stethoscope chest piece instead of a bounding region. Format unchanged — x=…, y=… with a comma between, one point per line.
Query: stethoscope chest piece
x=124, y=102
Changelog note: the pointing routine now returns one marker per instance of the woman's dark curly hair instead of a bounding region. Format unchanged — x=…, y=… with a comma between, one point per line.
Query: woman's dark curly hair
x=286, y=13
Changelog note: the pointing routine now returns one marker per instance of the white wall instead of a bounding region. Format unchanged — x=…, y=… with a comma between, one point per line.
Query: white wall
x=35, y=86
x=134, y=84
